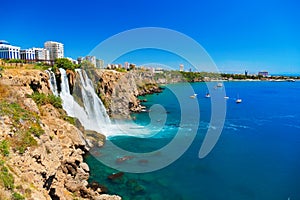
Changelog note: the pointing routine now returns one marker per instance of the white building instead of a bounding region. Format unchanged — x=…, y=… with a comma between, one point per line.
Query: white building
x=56, y=49
x=72, y=60
x=27, y=54
x=100, y=63
x=8, y=51
x=181, y=67
x=91, y=59
x=41, y=54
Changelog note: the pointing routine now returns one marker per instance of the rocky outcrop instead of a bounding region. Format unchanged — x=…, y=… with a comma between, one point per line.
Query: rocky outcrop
x=54, y=168
x=119, y=91
x=71, y=77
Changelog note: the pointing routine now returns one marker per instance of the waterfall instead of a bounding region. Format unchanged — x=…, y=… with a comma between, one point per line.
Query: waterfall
x=92, y=104
x=52, y=80
x=92, y=114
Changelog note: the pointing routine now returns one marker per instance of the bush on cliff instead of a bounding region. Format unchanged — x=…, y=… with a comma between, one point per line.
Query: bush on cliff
x=64, y=63
x=43, y=99
x=6, y=178
x=4, y=147
x=24, y=124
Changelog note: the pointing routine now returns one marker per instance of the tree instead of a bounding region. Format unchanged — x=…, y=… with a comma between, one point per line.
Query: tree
x=64, y=63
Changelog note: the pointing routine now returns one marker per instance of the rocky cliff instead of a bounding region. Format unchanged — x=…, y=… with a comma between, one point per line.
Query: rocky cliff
x=120, y=90
x=41, y=151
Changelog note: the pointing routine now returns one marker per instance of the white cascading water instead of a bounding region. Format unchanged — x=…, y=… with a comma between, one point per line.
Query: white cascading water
x=92, y=104
x=52, y=80
x=93, y=115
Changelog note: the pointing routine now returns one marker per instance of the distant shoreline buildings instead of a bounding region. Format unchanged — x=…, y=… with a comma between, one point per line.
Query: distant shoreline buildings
x=50, y=52
x=53, y=50
x=56, y=49
x=8, y=51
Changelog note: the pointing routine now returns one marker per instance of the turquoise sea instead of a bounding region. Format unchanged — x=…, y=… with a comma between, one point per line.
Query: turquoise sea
x=256, y=157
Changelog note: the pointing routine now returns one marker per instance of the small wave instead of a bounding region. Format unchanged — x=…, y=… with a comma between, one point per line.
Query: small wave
x=235, y=127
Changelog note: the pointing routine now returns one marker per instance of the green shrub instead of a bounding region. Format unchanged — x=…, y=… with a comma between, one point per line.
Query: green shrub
x=64, y=63
x=6, y=178
x=17, y=196
x=36, y=130
x=23, y=140
x=121, y=70
x=25, y=124
x=4, y=147
x=43, y=99
x=69, y=119
x=41, y=66
x=16, y=112
x=14, y=61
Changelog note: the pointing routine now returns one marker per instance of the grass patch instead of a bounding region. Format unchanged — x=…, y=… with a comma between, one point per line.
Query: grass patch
x=41, y=66
x=43, y=99
x=69, y=119
x=4, y=147
x=22, y=140
x=17, y=113
x=6, y=178
x=36, y=130
x=17, y=196
x=24, y=124
x=121, y=70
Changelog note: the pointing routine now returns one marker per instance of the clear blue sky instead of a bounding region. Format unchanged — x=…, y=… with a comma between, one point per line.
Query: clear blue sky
x=239, y=35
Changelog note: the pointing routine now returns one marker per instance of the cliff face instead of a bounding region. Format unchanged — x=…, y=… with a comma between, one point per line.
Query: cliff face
x=50, y=165
x=119, y=91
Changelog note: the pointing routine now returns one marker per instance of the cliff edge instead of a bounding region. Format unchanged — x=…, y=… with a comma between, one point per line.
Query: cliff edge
x=41, y=150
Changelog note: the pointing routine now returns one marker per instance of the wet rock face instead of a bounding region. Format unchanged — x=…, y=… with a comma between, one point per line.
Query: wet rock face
x=71, y=77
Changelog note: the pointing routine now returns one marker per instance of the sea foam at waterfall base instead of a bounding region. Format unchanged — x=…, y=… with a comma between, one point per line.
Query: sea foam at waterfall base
x=256, y=157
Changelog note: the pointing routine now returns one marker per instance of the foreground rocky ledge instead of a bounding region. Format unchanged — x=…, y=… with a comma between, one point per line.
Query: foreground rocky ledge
x=54, y=168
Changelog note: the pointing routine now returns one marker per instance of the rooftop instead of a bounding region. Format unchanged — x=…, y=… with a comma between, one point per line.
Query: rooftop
x=4, y=42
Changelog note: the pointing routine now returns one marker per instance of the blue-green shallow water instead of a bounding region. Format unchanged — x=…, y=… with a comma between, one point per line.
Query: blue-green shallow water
x=256, y=157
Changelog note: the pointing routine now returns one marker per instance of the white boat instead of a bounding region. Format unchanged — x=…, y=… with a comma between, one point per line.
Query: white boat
x=220, y=85
x=207, y=95
x=226, y=97
x=193, y=96
x=238, y=100
x=290, y=80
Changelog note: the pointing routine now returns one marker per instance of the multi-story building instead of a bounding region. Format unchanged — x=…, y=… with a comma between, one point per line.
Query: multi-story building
x=56, y=49
x=41, y=54
x=91, y=59
x=27, y=54
x=181, y=67
x=72, y=60
x=99, y=63
x=126, y=65
x=7, y=51
x=263, y=73
x=79, y=60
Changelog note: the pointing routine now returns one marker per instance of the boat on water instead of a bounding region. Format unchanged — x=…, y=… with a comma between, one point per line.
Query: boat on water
x=193, y=96
x=220, y=85
x=226, y=97
x=290, y=80
x=238, y=100
x=207, y=95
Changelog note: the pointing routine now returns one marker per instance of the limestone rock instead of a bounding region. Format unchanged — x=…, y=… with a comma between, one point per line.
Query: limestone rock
x=53, y=169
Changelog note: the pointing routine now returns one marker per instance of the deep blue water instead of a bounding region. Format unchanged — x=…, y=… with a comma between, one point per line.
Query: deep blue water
x=256, y=157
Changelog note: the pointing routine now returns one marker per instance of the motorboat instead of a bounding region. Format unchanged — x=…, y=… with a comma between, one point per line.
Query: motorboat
x=207, y=95
x=193, y=96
